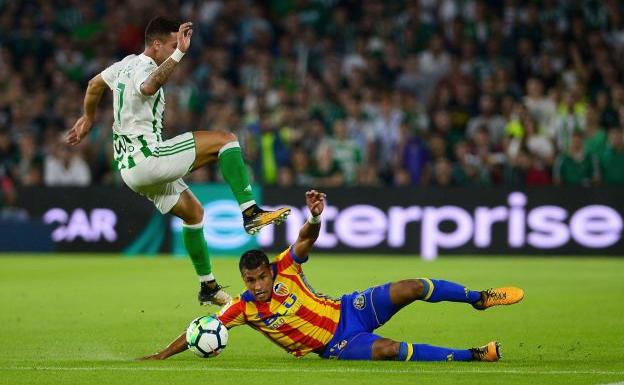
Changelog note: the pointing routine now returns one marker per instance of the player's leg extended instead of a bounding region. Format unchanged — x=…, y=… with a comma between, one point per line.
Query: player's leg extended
x=191, y=212
x=387, y=349
x=369, y=346
x=224, y=147
x=434, y=290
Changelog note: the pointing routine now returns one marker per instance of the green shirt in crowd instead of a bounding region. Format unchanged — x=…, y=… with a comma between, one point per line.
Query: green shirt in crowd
x=575, y=172
x=612, y=166
x=597, y=143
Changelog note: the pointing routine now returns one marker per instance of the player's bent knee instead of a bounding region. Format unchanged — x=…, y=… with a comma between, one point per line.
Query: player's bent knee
x=192, y=212
x=198, y=213
x=385, y=349
x=210, y=142
x=410, y=289
x=229, y=137
x=417, y=288
x=224, y=137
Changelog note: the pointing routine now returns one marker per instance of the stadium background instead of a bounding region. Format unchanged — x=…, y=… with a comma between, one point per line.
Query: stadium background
x=479, y=128
x=400, y=96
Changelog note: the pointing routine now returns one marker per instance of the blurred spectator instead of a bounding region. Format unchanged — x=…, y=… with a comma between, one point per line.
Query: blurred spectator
x=7, y=190
x=301, y=167
x=442, y=174
x=489, y=155
x=412, y=157
x=570, y=119
x=8, y=153
x=326, y=171
x=612, y=159
x=273, y=149
x=413, y=80
x=8, y=199
x=489, y=119
x=64, y=166
x=285, y=177
x=526, y=171
x=386, y=130
x=524, y=135
x=576, y=167
x=27, y=168
x=541, y=108
x=346, y=152
x=468, y=169
x=595, y=141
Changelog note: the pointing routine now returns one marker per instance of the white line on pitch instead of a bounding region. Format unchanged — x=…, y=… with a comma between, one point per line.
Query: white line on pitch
x=317, y=370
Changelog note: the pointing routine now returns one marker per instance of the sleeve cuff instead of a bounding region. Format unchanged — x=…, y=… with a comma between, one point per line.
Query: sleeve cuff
x=295, y=258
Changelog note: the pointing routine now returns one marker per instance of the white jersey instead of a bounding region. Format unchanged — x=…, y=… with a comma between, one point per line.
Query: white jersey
x=138, y=124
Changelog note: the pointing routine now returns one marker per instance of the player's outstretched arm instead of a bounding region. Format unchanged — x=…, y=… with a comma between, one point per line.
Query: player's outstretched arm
x=310, y=231
x=152, y=84
x=92, y=98
x=177, y=346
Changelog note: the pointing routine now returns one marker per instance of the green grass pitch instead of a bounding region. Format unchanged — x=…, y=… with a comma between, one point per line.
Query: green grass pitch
x=76, y=319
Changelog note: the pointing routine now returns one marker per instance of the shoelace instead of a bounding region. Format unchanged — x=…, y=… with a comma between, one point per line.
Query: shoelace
x=492, y=294
x=480, y=351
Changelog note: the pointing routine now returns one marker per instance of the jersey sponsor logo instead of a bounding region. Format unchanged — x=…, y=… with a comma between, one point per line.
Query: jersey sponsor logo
x=280, y=289
x=277, y=320
x=120, y=146
x=359, y=302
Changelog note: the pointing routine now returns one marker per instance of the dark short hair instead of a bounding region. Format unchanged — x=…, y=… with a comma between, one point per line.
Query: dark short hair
x=252, y=259
x=160, y=27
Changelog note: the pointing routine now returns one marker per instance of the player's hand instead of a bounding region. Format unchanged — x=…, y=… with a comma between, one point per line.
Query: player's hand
x=184, y=36
x=315, y=201
x=80, y=129
x=150, y=357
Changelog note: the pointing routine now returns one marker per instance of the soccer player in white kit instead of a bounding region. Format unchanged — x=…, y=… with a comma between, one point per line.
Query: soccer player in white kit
x=154, y=167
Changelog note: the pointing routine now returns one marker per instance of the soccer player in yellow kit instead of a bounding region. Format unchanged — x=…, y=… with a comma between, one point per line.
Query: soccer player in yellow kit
x=281, y=304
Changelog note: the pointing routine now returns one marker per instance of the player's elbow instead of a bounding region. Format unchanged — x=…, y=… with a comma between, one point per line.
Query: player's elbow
x=96, y=84
x=148, y=90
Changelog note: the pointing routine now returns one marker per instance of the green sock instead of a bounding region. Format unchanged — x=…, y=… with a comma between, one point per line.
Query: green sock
x=197, y=249
x=235, y=174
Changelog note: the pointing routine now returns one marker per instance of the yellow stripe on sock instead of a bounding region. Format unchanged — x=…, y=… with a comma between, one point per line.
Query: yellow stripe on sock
x=410, y=352
x=431, y=288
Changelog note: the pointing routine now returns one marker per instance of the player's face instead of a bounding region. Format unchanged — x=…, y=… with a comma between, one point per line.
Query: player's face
x=259, y=282
x=164, y=48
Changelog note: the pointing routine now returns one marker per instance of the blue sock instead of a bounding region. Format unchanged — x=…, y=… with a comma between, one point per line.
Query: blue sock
x=437, y=290
x=423, y=352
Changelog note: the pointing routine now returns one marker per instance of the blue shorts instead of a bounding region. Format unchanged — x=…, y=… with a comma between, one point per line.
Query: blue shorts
x=360, y=314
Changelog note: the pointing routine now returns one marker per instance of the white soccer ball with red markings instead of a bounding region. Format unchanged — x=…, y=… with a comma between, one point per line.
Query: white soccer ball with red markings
x=206, y=336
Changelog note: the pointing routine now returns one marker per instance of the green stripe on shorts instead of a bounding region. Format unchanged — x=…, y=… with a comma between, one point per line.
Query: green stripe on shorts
x=174, y=146
x=175, y=151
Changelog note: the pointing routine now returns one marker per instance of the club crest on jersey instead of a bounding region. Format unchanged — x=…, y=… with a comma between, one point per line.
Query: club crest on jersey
x=280, y=289
x=359, y=302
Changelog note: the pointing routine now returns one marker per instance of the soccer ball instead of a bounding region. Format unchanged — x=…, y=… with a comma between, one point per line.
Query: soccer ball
x=206, y=336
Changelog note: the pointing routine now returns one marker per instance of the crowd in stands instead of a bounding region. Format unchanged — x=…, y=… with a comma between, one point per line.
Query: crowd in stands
x=334, y=93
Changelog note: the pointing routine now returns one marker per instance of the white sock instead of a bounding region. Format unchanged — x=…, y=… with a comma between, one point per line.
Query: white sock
x=229, y=145
x=206, y=278
x=195, y=226
x=246, y=205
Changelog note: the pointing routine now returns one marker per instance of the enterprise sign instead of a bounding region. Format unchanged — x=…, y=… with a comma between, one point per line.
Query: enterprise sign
x=434, y=228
